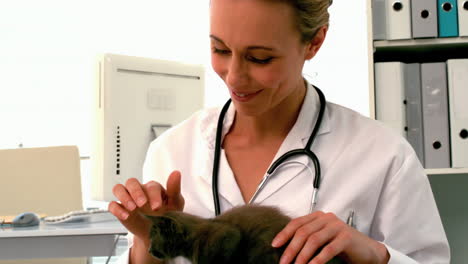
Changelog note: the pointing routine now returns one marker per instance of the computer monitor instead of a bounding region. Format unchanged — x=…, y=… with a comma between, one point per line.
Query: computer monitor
x=136, y=100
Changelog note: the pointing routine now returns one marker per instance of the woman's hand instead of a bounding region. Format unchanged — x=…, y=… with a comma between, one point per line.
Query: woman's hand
x=309, y=233
x=137, y=200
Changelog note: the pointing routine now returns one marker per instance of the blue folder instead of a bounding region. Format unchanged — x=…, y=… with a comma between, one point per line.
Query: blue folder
x=448, y=18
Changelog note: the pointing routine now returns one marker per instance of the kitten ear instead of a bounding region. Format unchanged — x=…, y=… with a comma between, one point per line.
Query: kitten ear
x=164, y=223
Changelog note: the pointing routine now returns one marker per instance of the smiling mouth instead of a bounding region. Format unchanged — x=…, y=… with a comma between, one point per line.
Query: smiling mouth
x=242, y=95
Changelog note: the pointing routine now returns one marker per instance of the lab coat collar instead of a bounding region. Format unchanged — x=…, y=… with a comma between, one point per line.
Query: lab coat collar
x=301, y=129
x=308, y=116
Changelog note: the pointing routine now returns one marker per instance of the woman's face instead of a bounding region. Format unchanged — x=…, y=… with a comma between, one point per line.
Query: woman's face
x=256, y=50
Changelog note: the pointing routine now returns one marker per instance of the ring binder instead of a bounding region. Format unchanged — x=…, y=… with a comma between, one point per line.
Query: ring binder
x=398, y=16
x=435, y=115
x=424, y=18
x=463, y=17
x=448, y=18
x=458, y=93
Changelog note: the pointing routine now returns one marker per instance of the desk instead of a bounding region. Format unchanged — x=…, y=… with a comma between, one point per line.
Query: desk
x=60, y=241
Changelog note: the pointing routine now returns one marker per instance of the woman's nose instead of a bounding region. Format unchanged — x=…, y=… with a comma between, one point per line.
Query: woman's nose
x=237, y=74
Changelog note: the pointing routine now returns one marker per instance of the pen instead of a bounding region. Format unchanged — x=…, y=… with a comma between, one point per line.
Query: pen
x=350, y=220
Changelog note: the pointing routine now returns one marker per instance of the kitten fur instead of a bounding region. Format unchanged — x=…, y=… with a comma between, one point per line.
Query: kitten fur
x=240, y=235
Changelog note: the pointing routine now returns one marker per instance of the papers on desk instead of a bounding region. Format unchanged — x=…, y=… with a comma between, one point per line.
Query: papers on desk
x=89, y=216
x=94, y=215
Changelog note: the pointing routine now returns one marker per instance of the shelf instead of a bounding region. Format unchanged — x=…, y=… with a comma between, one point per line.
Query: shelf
x=421, y=50
x=424, y=43
x=446, y=171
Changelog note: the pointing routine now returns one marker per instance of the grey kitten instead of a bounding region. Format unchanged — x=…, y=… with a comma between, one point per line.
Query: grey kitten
x=240, y=235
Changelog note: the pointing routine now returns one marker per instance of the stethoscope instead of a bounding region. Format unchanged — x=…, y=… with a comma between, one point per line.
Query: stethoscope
x=281, y=160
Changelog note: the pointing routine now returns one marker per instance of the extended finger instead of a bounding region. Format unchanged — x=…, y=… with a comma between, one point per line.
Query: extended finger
x=301, y=236
x=173, y=192
x=318, y=240
x=135, y=190
x=331, y=250
x=290, y=229
x=121, y=193
x=155, y=193
x=173, y=184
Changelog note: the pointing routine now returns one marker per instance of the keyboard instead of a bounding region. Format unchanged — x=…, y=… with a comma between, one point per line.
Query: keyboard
x=92, y=215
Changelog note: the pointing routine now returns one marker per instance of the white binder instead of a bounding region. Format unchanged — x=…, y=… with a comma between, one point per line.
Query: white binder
x=462, y=17
x=398, y=19
x=458, y=107
x=390, y=95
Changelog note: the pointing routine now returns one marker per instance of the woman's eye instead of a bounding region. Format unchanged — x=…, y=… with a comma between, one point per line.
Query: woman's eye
x=260, y=61
x=221, y=51
x=250, y=58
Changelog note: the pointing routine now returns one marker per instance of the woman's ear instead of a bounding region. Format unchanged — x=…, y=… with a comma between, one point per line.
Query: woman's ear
x=314, y=45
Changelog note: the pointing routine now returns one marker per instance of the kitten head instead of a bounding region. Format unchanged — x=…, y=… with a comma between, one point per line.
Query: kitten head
x=169, y=238
x=200, y=240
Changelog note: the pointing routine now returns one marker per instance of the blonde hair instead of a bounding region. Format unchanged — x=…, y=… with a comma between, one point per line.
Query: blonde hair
x=311, y=15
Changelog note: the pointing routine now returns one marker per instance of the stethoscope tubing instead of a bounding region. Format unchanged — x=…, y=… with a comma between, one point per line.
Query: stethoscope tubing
x=305, y=151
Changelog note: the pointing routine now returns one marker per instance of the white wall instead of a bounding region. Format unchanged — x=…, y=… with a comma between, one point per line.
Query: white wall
x=48, y=49
x=341, y=68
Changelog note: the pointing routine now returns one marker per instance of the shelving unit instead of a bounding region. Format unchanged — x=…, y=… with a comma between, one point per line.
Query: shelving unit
x=448, y=184
x=409, y=51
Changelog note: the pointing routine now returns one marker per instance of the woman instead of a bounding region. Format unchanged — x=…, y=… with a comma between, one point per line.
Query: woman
x=259, y=48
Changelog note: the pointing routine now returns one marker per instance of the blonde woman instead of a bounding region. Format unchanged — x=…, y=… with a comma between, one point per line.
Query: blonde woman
x=259, y=48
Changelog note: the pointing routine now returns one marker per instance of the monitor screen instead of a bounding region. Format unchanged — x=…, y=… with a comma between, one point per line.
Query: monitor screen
x=137, y=99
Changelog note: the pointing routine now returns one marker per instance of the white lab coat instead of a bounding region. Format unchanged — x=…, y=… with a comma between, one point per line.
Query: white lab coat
x=365, y=167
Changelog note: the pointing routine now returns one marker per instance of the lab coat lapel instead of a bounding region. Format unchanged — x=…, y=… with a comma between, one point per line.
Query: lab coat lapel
x=227, y=185
x=297, y=139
